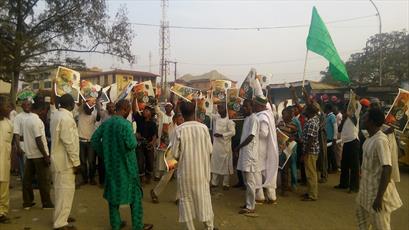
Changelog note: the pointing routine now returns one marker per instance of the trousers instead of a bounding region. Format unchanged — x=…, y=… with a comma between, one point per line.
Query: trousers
x=41, y=170
x=377, y=220
x=250, y=179
x=88, y=161
x=4, y=197
x=136, y=215
x=64, y=189
x=146, y=159
x=312, y=177
x=216, y=178
x=350, y=166
x=262, y=193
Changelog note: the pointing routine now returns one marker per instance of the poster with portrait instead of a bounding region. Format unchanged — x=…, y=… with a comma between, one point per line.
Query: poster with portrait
x=204, y=108
x=122, y=81
x=219, y=90
x=145, y=96
x=124, y=94
x=246, y=91
x=399, y=112
x=90, y=92
x=185, y=92
x=67, y=81
x=234, y=104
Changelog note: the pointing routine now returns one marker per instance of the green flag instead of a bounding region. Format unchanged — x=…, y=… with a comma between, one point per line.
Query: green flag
x=319, y=41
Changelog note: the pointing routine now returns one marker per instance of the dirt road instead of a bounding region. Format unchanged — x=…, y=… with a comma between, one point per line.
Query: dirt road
x=334, y=210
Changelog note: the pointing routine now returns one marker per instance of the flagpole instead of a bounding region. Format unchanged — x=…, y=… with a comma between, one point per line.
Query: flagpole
x=305, y=69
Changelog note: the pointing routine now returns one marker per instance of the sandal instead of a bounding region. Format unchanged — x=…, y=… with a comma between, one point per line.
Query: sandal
x=308, y=199
x=246, y=211
x=154, y=198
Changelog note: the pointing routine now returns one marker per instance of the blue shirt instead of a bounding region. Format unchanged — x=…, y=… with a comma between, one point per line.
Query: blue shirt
x=299, y=128
x=331, y=120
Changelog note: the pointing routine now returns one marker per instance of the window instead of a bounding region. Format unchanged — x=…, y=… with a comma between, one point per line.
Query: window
x=36, y=85
x=47, y=85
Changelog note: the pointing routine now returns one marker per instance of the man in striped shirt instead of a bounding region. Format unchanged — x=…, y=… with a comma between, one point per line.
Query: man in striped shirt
x=377, y=196
x=192, y=147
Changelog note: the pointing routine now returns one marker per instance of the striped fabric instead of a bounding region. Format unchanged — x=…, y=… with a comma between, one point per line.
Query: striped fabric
x=376, y=155
x=192, y=147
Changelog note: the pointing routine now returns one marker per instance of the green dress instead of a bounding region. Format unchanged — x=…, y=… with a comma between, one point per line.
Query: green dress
x=115, y=141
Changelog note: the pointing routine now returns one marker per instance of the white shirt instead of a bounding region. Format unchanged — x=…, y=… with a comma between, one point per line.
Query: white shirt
x=64, y=141
x=18, y=126
x=33, y=128
x=248, y=156
x=376, y=154
x=349, y=130
x=86, y=124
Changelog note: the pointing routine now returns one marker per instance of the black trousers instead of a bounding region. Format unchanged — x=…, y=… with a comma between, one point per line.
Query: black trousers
x=36, y=167
x=145, y=156
x=101, y=170
x=88, y=161
x=350, y=165
x=332, y=162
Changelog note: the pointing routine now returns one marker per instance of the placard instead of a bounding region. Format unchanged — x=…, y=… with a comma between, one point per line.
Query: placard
x=399, y=112
x=67, y=81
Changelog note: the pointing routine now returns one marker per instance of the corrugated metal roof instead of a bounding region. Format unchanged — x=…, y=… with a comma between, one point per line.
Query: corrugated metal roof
x=212, y=75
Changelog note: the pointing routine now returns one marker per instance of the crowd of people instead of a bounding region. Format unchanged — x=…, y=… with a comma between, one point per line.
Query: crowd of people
x=58, y=143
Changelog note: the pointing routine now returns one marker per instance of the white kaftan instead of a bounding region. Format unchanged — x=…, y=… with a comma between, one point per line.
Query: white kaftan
x=222, y=160
x=248, y=156
x=6, y=135
x=268, y=148
x=192, y=147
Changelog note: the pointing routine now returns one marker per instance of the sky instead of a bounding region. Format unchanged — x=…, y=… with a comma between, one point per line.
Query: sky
x=277, y=52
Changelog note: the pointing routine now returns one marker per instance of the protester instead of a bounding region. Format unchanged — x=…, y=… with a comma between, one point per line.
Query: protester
x=377, y=196
x=248, y=156
x=164, y=121
x=38, y=158
x=192, y=147
x=288, y=127
x=114, y=140
x=268, y=152
x=87, y=118
x=350, y=153
x=234, y=143
x=164, y=180
x=65, y=160
x=102, y=116
x=222, y=156
x=18, y=128
x=332, y=131
x=147, y=133
x=311, y=151
x=322, y=161
x=6, y=136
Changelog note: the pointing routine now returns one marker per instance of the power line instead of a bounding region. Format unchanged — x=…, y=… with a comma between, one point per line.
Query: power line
x=249, y=28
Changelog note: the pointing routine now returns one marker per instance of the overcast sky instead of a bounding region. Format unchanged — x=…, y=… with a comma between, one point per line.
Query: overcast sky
x=279, y=52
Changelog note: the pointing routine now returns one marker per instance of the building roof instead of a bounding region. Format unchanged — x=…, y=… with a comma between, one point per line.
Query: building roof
x=91, y=73
x=210, y=76
x=313, y=84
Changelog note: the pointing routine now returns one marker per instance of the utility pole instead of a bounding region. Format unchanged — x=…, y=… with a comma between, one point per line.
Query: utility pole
x=380, y=42
x=164, y=46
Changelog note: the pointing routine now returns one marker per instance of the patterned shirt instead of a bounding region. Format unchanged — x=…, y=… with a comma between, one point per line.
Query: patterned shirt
x=376, y=154
x=311, y=129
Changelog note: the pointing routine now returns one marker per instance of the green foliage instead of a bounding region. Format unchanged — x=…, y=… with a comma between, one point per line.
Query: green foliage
x=363, y=67
x=33, y=32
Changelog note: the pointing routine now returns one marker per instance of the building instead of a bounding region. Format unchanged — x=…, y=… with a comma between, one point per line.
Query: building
x=105, y=78
x=4, y=87
x=42, y=79
x=203, y=82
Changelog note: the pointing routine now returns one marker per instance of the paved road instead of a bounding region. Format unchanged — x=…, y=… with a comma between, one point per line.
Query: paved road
x=334, y=210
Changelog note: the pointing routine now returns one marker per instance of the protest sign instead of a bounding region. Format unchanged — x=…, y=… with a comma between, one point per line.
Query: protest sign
x=145, y=96
x=90, y=92
x=399, y=112
x=67, y=81
x=219, y=88
x=234, y=104
x=185, y=92
x=122, y=81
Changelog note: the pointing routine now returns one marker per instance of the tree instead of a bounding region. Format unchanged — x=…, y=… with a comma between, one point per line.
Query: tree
x=363, y=67
x=32, y=31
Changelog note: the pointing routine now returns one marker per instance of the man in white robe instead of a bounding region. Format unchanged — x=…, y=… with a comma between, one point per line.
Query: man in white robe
x=222, y=156
x=65, y=160
x=6, y=136
x=192, y=147
x=377, y=197
x=248, y=156
x=268, y=152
